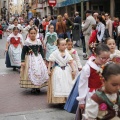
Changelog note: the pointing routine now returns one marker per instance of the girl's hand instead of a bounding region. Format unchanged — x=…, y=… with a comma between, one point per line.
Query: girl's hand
x=79, y=69
x=44, y=47
x=73, y=74
x=82, y=106
x=6, y=50
x=49, y=72
x=23, y=64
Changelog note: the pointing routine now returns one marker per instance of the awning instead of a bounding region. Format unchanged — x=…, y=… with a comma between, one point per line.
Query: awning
x=69, y=2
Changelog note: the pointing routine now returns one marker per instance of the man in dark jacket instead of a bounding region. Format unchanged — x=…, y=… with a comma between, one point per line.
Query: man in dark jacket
x=69, y=25
x=36, y=22
x=77, y=23
x=53, y=22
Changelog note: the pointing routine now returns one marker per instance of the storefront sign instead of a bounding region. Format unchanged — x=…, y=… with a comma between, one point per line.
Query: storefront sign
x=52, y=2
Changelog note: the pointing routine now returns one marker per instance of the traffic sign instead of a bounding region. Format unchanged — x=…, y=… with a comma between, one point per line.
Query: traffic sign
x=52, y=3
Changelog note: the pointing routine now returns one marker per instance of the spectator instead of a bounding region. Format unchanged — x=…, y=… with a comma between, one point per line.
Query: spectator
x=53, y=22
x=115, y=25
x=109, y=24
x=69, y=25
x=100, y=28
x=1, y=33
x=118, y=38
x=36, y=22
x=93, y=35
x=60, y=27
x=45, y=24
x=95, y=15
x=87, y=28
x=77, y=23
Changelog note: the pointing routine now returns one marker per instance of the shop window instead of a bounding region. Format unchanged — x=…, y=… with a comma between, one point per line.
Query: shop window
x=97, y=7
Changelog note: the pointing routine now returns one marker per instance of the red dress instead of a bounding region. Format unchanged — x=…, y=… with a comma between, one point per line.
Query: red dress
x=93, y=37
x=1, y=32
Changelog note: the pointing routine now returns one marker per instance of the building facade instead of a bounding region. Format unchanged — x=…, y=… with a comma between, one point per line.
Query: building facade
x=4, y=9
x=70, y=6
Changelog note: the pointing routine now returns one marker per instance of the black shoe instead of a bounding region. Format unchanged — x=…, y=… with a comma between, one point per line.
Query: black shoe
x=37, y=90
x=33, y=90
x=14, y=69
x=85, y=57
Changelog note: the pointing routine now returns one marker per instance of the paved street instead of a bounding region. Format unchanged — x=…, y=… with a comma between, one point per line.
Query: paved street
x=19, y=104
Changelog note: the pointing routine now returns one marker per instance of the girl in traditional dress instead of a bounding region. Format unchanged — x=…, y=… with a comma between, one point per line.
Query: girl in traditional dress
x=50, y=40
x=31, y=24
x=61, y=81
x=14, y=49
x=34, y=71
x=115, y=54
x=15, y=24
x=105, y=103
x=74, y=55
x=90, y=79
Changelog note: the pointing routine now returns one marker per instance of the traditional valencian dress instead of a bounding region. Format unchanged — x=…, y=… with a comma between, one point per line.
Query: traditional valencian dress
x=90, y=80
x=102, y=106
x=115, y=57
x=61, y=81
x=13, y=56
x=50, y=40
x=34, y=74
x=12, y=26
x=76, y=59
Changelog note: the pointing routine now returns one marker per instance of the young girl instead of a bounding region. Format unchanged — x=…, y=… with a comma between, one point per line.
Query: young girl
x=115, y=54
x=105, y=103
x=15, y=24
x=90, y=79
x=74, y=55
x=14, y=49
x=50, y=40
x=31, y=24
x=61, y=81
x=34, y=71
x=93, y=36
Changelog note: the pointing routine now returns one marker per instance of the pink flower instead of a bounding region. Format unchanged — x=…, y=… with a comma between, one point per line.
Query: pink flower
x=74, y=52
x=103, y=107
x=117, y=59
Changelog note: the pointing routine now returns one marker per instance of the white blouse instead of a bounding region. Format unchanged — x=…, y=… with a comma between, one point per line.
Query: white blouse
x=84, y=79
x=75, y=56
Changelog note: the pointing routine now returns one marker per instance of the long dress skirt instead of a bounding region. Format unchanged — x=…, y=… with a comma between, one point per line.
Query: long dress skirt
x=7, y=62
x=72, y=104
x=50, y=97
x=24, y=77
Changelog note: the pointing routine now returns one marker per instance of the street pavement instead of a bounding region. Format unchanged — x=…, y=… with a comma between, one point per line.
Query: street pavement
x=20, y=104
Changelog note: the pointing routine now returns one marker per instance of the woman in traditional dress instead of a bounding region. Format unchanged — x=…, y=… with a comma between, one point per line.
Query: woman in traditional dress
x=34, y=72
x=14, y=49
x=61, y=82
